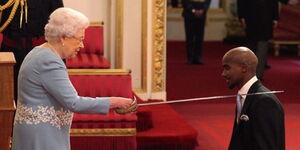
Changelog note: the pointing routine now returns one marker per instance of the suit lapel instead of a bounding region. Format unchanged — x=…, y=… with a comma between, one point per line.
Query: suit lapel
x=249, y=99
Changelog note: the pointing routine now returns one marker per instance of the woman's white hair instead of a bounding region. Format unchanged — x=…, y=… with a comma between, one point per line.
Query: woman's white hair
x=65, y=22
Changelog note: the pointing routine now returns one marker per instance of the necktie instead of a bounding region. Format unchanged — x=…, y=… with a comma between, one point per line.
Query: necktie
x=238, y=106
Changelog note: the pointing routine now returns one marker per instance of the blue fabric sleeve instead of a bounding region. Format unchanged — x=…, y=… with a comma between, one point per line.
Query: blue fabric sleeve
x=55, y=80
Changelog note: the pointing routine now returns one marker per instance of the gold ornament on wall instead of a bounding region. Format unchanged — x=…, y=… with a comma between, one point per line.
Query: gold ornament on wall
x=158, y=44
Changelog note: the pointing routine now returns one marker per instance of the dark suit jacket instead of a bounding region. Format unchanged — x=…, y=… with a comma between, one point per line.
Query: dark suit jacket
x=265, y=128
x=259, y=16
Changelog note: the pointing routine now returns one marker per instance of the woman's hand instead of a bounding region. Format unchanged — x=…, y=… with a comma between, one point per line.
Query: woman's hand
x=120, y=102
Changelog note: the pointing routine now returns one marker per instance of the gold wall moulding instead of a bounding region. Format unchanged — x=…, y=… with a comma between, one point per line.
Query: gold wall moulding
x=158, y=44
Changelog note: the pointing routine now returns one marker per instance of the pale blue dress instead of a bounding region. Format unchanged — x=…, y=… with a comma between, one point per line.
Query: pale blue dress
x=46, y=100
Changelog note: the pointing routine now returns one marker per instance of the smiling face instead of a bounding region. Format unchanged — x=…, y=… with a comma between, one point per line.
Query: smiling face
x=233, y=74
x=239, y=66
x=72, y=45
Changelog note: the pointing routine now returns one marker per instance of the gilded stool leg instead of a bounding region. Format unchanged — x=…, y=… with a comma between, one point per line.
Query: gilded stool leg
x=276, y=48
x=298, y=49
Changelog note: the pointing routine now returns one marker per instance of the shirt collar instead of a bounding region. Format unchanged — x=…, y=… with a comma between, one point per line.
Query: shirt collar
x=246, y=87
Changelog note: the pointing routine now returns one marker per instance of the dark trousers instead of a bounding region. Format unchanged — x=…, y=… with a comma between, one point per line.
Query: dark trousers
x=260, y=48
x=194, y=34
x=174, y=3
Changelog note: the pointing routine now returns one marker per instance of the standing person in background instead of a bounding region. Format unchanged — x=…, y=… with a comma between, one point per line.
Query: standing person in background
x=26, y=30
x=194, y=14
x=174, y=3
x=259, y=18
x=46, y=96
x=259, y=119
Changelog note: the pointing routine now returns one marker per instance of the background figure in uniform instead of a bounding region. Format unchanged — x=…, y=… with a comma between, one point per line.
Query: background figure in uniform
x=194, y=13
x=258, y=18
x=21, y=39
x=259, y=125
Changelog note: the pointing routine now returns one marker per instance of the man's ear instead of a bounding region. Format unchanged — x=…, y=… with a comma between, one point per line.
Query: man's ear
x=244, y=68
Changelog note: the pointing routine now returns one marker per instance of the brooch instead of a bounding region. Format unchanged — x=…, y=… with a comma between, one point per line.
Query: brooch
x=244, y=118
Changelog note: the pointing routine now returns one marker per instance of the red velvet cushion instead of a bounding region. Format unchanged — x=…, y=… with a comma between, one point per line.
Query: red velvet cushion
x=83, y=60
x=288, y=27
x=102, y=85
x=170, y=129
x=145, y=119
x=111, y=117
x=282, y=35
x=93, y=41
x=111, y=120
x=91, y=56
x=144, y=114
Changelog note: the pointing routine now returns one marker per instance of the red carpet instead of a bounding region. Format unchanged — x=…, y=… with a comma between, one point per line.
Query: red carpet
x=213, y=120
x=170, y=131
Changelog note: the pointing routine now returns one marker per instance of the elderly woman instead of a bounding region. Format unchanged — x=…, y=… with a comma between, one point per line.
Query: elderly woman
x=46, y=97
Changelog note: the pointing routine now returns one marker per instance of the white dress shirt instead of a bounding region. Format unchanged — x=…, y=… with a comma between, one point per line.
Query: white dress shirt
x=244, y=90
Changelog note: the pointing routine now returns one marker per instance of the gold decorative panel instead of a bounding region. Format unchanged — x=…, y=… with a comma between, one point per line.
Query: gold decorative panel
x=119, y=34
x=144, y=44
x=158, y=13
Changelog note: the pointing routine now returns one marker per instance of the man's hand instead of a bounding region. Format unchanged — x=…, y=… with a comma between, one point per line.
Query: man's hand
x=198, y=13
x=243, y=23
x=275, y=23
